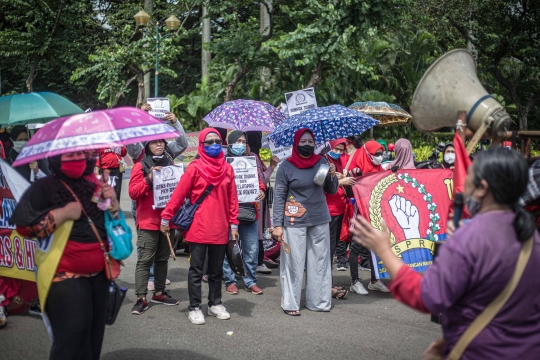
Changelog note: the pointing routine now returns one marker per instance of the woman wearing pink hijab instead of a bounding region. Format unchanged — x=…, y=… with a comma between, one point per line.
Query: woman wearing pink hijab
x=404, y=156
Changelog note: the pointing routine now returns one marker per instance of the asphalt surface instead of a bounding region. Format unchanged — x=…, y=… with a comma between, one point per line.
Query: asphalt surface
x=360, y=327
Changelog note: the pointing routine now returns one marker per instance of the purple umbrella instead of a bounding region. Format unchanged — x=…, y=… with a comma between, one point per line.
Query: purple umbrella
x=95, y=130
x=245, y=115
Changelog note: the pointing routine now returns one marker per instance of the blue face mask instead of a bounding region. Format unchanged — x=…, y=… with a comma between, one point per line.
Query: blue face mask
x=213, y=150
x=238, y=149
x=334, y=155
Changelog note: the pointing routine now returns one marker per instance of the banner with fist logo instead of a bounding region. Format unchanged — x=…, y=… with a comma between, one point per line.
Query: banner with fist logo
x=414, y=205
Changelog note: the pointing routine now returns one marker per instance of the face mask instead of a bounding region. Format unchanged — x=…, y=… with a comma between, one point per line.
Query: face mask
x=334, y=155
x=213, y=150
x=450, y=158
x=473, y=205
x=18, y=145
x=90, y=166
x=306, y=150
x=238, y=149
x=73, y=169
x=377, y=160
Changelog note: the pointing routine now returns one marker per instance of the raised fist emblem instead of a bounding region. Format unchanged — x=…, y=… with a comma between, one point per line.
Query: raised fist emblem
x=407, y=216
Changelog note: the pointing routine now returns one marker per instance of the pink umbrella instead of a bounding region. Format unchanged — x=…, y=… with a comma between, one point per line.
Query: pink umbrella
x=95, y=130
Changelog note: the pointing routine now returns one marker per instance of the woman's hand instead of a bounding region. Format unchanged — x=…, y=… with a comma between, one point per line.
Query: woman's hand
x=108, y=192
x=277, y=234
x=170, y=117
x=151, y=173
x=261, y=195
x=34, y=167
x=165, y=229
x=274, y=161
x=366, y=235
x=234, y=234
x=355, y=172
x=146, y=107
x=332, y=170
x=347, y=181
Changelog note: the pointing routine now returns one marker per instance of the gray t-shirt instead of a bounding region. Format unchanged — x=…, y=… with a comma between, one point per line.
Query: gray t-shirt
x=298, y=184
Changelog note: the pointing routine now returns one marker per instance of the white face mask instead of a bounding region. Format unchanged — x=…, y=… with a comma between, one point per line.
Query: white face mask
x=18, y=145
x=450, y=158
x=377, y=160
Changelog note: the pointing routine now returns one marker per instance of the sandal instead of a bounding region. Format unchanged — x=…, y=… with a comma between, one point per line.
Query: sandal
x=338, y=288
x=292, y=312
x=340, y=294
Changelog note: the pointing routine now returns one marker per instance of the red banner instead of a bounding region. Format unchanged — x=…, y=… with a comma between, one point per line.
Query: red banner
x=414, y=204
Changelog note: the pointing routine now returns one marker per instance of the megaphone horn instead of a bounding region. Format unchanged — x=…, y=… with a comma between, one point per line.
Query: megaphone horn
x=451, y=84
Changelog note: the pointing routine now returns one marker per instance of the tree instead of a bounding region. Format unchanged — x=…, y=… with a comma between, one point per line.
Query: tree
x=505, y=34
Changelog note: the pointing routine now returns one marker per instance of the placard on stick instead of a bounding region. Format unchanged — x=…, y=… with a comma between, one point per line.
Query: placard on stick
x=300, y=101
x=159, y=106
x=246, y=178
x=165, y=181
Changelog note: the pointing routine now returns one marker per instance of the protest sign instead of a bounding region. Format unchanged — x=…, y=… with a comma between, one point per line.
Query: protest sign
x=246, y=178
x=165, y=181
x=282, y=152
x=159, y=107
x=414, y=205
x=300, y=101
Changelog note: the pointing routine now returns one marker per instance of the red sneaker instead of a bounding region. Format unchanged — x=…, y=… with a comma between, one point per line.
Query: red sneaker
x=140, y=306
x=255, y=290
x=165, y=299
x=232, y=289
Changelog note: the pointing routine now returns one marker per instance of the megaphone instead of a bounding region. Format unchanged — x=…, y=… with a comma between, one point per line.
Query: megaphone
x=451, y=84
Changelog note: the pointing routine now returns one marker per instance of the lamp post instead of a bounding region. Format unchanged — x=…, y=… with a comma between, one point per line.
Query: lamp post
x=172, y=23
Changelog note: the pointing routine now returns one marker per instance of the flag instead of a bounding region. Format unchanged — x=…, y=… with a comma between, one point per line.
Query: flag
x=413, y=204
x=461, y=164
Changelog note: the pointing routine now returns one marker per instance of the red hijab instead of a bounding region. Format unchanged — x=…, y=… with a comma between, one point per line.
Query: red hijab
x=297, y=160
x=213, y=170
x=338, y=162
x=366, y=152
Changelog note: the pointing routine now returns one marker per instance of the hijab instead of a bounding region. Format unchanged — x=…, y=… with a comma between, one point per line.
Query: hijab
x=404, y=156
x=16, y=130
x=338, y=162
x=297, y=160
x=150, y=160
x=233, y=136
x=365, y=155
x=254, y=140
x=213, y=170
x=222, y=134
x=445, y=164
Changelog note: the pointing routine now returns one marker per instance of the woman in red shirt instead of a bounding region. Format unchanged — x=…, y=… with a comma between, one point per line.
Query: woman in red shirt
x=109, y=159
x=215, y=216
x=152, y=245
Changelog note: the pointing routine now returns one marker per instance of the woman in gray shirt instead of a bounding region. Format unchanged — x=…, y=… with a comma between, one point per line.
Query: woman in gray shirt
x=301, y=219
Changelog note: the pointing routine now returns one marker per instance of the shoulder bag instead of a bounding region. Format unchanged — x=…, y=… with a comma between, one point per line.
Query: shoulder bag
x=247, y=213
x=184, y=217
x=492, y=309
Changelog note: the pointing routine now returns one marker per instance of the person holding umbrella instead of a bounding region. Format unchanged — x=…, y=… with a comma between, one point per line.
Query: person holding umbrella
x=36, y=169
x=301, y=219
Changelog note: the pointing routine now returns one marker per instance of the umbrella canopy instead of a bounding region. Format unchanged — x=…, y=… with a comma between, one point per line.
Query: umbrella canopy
x=387, y=114
x=245, y=115
x=95, y=130
x=327, y=123
x=35, y=107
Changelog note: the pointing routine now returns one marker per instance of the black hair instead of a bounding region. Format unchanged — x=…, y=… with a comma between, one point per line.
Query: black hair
x=356, y=140
x=507, y=175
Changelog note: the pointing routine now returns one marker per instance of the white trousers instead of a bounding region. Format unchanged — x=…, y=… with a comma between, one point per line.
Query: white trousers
x=310, y=249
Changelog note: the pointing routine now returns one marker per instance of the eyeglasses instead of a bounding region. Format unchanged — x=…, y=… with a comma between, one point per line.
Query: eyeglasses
x=214, y=141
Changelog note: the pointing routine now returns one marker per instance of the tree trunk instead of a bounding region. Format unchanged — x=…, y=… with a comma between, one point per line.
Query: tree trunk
x=141, y=96
x=30, y=80
x=316, y=75
x=148, y=7
x=231, y=86
x=206, y=55
x=265, y=31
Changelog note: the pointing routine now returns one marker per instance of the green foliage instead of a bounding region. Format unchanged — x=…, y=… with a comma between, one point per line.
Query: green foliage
x=265, y=154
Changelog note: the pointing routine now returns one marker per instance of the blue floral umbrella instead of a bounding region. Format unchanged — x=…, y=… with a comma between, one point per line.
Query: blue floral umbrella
x=327, y=123
x=245, y=115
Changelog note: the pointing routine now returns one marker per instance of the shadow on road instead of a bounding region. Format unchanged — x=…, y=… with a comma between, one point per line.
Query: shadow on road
x=143, y=354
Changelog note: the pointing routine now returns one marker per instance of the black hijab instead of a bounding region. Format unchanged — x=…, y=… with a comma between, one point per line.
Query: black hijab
x=150, y=160
x=254, y=141
x=233, y=136
x=15, y=131
x=445, y=164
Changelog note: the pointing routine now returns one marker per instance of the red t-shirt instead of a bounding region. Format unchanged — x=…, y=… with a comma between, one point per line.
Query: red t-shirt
x=108, y=159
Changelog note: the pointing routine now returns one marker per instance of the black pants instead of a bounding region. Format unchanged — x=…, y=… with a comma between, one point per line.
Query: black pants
x=261, y=253
x=335, y=232
x=353, y=261
x=76, y=309
x=216, y=255
x=118, y=186
x=341, y=251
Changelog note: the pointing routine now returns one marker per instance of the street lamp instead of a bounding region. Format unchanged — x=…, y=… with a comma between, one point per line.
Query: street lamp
x=172, y=23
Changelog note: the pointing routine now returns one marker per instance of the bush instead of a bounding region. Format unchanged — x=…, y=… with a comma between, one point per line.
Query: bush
x=423, y=153
x=265, y=154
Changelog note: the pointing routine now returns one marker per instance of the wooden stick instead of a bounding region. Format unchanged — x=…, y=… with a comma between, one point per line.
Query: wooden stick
x=170, y=247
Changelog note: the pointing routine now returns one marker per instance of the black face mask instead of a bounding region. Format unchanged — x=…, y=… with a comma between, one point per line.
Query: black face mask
x=306, y=150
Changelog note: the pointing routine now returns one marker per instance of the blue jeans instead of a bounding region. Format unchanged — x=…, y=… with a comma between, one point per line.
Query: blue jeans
x=249, y=242
x=151, y=274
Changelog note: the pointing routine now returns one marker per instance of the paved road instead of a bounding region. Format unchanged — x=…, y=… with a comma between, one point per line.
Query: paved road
x=360, y=327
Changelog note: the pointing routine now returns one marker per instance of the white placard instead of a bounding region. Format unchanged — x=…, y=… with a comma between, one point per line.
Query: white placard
x=300, y=101
x=281, y=152
x=165, y=181
x=246, y=178
x=159, y=106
